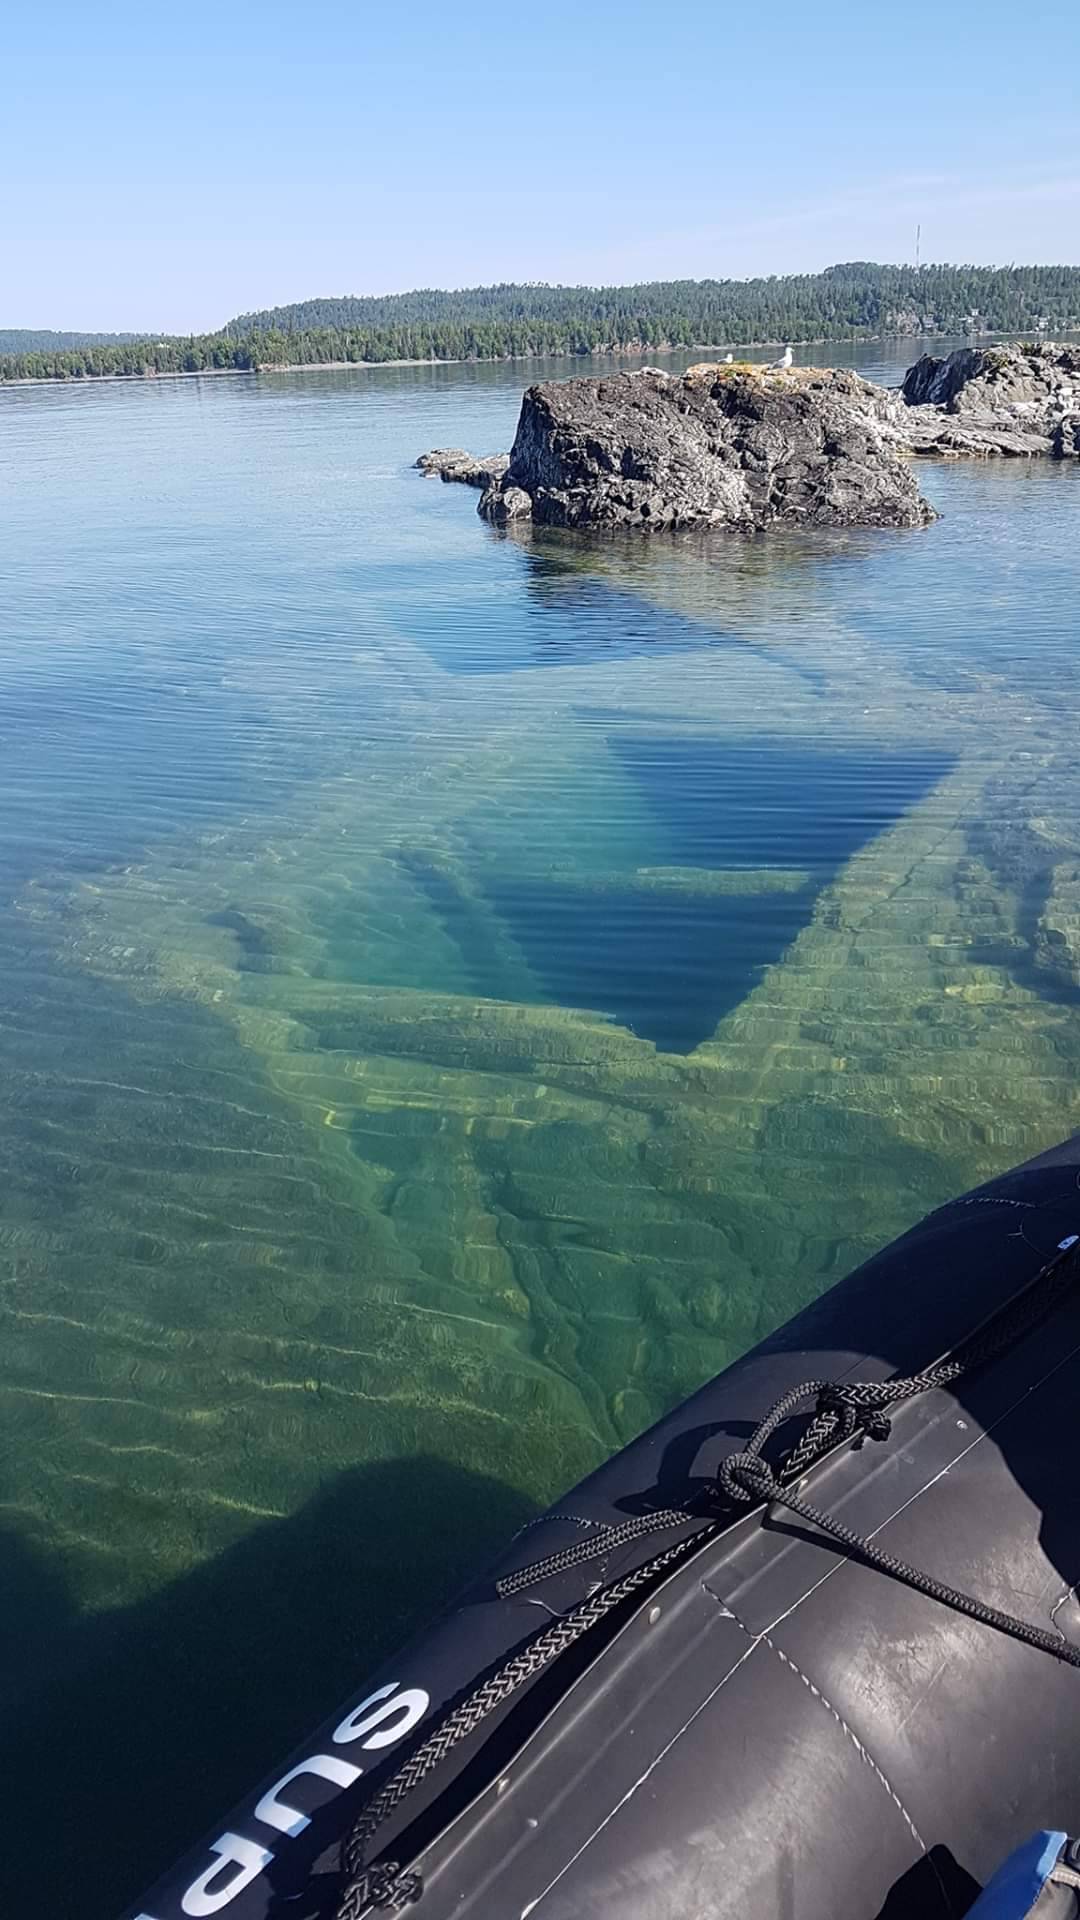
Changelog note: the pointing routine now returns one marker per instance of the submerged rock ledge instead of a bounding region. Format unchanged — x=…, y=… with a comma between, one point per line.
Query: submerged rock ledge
x=721, y=445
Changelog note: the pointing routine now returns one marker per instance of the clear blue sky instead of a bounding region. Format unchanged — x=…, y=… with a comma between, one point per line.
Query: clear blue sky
x=166, y=167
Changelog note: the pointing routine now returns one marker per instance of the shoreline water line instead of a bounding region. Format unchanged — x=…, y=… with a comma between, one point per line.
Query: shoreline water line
x=499, y=360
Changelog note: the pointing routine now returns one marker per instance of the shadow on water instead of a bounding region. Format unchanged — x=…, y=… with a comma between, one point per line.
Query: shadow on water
x=573, y=605
x=724, y=582
x=583, y=622
x=127, y=1734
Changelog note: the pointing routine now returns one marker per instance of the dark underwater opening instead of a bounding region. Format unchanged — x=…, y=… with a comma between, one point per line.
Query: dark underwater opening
x=765, y=802
x=703, y=862
x=669, y=961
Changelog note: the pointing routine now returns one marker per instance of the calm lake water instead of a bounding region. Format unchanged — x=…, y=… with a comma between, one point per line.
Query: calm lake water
x=457, y=991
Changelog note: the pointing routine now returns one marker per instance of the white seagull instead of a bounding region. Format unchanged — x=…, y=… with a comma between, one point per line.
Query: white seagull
x=729, y=359
x=784, y=362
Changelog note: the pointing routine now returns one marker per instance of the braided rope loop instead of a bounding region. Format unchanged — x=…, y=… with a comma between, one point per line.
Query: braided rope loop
x=850, y=1410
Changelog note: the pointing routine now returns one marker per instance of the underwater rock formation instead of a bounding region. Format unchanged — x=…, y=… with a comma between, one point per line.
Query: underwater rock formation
x=732, y=446
x=1007, y=401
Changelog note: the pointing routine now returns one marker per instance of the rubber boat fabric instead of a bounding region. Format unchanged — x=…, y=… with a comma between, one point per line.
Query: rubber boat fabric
x=795, y=1654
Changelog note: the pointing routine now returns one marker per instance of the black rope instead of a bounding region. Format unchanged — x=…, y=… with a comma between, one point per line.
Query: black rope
x=384, y=1885
x=846, y=1408
x=762, y=1485
x=841, y=1411
x=850, y=1410
x=858, y=1406
x=604, y=1540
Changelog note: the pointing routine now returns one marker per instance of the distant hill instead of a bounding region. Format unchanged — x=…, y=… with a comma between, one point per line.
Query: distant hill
x=858, y=300
x=857, y=297
x=44, y=340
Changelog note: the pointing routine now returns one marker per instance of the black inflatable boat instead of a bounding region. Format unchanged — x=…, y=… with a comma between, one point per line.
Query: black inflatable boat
x=803, y=1654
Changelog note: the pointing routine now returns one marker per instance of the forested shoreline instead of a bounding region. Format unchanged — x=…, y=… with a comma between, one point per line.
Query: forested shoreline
x=47, y=340
x=860, y=300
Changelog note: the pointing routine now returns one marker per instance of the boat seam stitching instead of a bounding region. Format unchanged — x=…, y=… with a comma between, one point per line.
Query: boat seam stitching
x=853, y=1737
x=829, y=1708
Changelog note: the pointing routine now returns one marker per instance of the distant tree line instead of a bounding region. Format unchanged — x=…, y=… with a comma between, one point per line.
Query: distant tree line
x=206, y=353
x=44, y=340
x=858, y=300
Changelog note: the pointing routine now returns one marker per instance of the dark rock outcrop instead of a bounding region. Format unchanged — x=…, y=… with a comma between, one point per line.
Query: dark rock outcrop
x=1007, y=401
x=730, y=446
x=472, y=470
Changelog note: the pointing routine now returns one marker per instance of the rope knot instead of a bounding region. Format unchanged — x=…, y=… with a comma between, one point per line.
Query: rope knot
x=851, y=1415
x=383, y=1886
x=747, y=1478
x=875, y=1424
x=836, y=1400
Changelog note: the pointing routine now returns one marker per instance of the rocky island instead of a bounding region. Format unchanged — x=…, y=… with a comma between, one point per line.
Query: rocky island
x=749, y=447
x=1005, y=401
x=722, y=445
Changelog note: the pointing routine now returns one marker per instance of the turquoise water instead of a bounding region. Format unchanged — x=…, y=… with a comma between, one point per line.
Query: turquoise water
x=458, y=990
